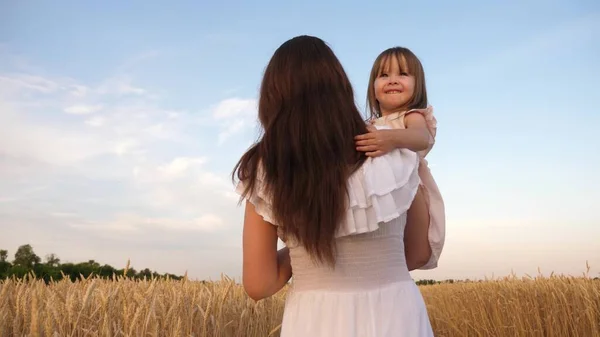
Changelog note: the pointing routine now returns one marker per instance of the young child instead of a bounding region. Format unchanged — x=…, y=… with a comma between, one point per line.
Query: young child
x=397, y=98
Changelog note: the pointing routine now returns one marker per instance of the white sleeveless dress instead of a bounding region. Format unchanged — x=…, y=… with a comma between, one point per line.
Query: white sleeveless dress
x=370, y=293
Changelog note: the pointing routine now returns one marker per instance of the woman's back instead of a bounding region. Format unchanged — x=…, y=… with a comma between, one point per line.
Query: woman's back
x=363, y=262
x=369, y=291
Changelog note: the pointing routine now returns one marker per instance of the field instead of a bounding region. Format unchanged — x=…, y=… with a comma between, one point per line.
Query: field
x=538, y=306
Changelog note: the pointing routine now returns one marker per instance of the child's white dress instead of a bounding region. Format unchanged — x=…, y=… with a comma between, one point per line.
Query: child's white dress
x=370, y=293
x=435, y=203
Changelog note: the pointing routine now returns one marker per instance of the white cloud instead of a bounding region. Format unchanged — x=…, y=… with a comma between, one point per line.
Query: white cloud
x=135, y=125
x=180, y=166
x=233, y=115
x=212, y=179
x=29, y=83
x=63, y=214
x=96, y=121
x=205, y=223
x=120, y=86
x=83, y=109
x=78, y=90
x=119, y=225
x=159, y=130
x=131, y=171
x=172, y=114
x=130, y=127
x=234, y=107
x=137, y=223
x=230, y=195
x=46, y=143
x=125, y=146
x=128, y=89
x=231, y=128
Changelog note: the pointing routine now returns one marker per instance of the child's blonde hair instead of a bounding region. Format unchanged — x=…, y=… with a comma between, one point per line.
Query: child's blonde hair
x=409, y=63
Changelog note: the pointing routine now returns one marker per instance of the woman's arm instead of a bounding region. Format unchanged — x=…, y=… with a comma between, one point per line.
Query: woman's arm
x=265, y=270
x=379, y=142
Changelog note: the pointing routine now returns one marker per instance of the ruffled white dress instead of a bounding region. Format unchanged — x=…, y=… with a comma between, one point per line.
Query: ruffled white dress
x=370, y=293
x=433, y=197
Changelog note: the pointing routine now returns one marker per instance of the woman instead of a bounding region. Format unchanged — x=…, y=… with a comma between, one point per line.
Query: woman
x=341, y=215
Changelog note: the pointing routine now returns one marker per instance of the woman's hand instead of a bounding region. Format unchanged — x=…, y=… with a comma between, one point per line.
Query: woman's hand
x=376, y=142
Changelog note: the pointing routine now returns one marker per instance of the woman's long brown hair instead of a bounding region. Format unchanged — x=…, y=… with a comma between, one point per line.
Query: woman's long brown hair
x=307, y=151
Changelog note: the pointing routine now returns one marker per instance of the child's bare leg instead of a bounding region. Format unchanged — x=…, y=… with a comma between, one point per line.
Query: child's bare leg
x=416, y=233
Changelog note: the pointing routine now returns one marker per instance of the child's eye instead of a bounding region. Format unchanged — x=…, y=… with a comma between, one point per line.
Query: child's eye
x=383, y=75
x=404, y=74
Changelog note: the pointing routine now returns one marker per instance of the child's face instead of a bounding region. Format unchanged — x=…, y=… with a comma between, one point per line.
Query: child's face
x=394, y=87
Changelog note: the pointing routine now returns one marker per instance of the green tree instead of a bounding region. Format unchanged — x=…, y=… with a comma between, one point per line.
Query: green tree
x=4, y=264
x=52, y=260
x=18, y=271
x=69, y=270
x=86, y=269
x=27, y=261
x=3, y=255
x=107, y=271
x=47, y=273
x=147, y=273
x=25, y=257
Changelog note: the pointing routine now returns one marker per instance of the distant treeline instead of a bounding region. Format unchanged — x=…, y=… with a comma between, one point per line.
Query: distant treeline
x=26, y=261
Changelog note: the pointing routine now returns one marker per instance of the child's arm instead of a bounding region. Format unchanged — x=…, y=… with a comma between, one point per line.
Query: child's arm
x=416, y=135
x=378, y=142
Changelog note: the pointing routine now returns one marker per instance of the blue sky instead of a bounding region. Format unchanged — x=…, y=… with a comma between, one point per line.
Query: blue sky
x=120, y=123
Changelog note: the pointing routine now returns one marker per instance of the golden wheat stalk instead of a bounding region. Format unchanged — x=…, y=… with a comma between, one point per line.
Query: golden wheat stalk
x=509, y=306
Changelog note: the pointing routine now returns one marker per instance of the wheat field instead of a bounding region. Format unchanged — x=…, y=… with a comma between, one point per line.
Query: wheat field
x=510, y=306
